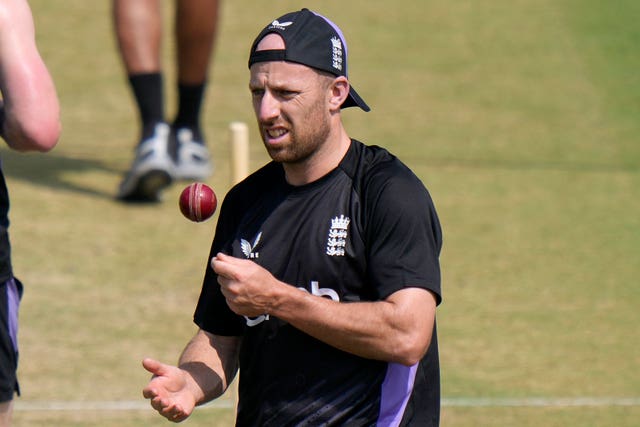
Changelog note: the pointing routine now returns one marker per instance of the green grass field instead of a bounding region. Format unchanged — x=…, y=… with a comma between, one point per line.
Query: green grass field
x=521, y=117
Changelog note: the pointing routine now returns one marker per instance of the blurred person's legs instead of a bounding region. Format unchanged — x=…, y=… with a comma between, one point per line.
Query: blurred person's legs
x=195, y=28
x=164, y=152
x=138, y=26
x=6, y=412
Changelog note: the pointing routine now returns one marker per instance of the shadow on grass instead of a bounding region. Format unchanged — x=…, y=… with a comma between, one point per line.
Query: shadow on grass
x=51, y=170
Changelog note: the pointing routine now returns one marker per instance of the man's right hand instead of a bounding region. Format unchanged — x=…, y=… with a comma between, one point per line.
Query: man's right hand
x=168, y=391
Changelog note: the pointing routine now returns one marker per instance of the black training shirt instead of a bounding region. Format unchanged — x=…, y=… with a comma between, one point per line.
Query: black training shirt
x=362, y=232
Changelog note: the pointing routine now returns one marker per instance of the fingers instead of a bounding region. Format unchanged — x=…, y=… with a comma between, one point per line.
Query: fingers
x=223, y=265
x=163, y=405
x=155, y=367
x=170, y=411
x=158, y=370
x=222, y=256
x=160, y=397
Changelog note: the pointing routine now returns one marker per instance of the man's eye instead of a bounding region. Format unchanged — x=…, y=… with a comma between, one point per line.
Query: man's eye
x=287, y=93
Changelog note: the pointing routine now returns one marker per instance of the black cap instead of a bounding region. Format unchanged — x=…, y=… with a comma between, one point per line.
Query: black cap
x=311, y=40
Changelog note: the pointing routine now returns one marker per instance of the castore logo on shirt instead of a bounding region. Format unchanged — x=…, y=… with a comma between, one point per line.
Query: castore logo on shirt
x=248, y=248
x=315, y=290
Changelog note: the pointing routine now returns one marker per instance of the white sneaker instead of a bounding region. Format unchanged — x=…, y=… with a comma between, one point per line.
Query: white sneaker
x=152, y=169
x=193, y=159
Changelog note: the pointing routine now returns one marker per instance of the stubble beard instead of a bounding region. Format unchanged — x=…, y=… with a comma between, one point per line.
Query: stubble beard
x=304, y=140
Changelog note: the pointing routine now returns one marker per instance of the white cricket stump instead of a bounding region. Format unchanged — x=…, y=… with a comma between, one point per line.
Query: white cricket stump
x=239, y=141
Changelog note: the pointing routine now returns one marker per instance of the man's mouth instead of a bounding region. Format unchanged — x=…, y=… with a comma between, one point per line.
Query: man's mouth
x=275, y=133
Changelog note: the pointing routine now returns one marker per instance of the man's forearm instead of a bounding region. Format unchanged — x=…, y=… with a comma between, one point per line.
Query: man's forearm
x=387, y=330
x=211, y=362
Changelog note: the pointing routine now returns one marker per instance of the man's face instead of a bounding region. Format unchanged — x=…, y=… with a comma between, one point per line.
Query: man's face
x=291, y=106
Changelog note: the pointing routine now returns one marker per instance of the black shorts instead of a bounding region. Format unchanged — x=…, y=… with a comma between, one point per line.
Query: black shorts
x=10, y=295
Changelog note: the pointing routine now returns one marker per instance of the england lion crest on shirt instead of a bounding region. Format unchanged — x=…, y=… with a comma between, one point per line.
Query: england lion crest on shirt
x=338, y=232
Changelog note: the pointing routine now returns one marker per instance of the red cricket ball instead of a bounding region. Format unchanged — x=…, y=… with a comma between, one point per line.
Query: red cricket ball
x=198, y=202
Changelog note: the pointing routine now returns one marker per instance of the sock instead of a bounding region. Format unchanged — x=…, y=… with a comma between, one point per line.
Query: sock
x=148, y=93
x=189, y=105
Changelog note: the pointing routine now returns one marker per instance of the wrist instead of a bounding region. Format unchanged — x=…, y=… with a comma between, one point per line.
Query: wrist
x=200, y=383
x=192, y=386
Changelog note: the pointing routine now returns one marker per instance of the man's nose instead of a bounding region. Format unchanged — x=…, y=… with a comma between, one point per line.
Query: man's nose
x=269, y=107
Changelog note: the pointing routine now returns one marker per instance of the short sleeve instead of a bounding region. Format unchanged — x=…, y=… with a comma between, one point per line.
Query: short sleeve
x=212, y=313
x=402, y=232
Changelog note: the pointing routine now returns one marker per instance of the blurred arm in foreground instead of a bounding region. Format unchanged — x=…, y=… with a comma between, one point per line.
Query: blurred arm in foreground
x=29, y=109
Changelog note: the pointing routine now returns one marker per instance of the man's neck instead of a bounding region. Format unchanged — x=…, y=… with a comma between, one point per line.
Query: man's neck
x=323, y=161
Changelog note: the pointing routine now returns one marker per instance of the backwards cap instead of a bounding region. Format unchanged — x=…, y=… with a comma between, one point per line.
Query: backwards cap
x=311, y=40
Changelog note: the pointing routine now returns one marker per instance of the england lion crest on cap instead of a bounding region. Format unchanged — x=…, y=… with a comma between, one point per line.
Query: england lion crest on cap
x=336, y=53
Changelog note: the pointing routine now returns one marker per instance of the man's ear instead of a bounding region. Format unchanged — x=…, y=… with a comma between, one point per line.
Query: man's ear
x=339, y=91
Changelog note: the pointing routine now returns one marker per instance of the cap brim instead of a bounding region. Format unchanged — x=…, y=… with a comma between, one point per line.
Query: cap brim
x=354, y=100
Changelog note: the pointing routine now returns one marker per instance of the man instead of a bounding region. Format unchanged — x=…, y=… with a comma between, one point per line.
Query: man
x=324, y=274
x=166, y=152
x=29, y=121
